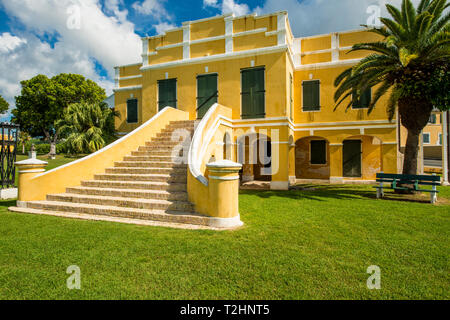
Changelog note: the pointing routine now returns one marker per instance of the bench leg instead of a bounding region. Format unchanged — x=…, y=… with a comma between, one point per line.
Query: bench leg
x=433, y=197
x=380, y=193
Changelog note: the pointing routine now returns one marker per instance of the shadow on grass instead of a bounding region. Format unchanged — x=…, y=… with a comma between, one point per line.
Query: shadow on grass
x=338, y=192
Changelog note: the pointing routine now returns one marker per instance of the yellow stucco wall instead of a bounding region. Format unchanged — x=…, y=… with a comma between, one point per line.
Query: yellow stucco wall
x=229, y=84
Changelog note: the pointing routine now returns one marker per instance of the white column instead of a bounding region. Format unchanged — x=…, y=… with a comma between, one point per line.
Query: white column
x=116, y=77
x=281, y=28
x=445, y=147
x=229, y=34
x=335, y=47
x=144, y=52
x=186, y=41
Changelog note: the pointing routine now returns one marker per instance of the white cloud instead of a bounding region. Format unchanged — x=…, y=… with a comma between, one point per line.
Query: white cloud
x=311, y=17
x=163, y=27
x=151, y=7
x=110, y=40
x=228, y=6
x=9, y=42
x=211, y=3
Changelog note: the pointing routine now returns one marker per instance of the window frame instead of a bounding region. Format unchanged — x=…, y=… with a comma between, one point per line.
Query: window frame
x=265, y=91
x=423, y=137
x=361, y=107
x=310, y=152
x=137, y=110
x=303, y=95
x=176, y=92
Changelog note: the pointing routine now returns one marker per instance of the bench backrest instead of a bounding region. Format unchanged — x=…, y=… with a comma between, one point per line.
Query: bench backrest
x=408, y=177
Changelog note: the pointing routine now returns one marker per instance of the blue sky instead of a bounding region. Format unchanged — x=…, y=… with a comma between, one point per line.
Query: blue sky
x=90, y=37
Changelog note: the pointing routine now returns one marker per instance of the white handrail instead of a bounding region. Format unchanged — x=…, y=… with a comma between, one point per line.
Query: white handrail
x=197, y=144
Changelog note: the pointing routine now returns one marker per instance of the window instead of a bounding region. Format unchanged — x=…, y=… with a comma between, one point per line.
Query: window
x=206, y=93
x=426, y=138
x=364, y=99
x=318, y=152
x=432, y=119
x=253, y=94
x=167, y=93
x=311, y=95
x=132, y=111
x=440, y=139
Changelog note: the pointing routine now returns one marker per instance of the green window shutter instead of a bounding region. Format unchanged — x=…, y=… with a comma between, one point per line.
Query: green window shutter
x=311, y=95
x=206, y=93
x=167, y=93
x=132, y=111
x=318, y=152
x=253, y=93
x=432, y=119
x=364, y=101
x=426, y=138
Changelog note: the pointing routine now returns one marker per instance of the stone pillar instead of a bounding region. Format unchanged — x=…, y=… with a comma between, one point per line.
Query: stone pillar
x=336, y=171
x=224, y=193
x=27, y=170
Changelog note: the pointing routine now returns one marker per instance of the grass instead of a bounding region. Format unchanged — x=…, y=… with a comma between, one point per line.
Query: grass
x=302, y=244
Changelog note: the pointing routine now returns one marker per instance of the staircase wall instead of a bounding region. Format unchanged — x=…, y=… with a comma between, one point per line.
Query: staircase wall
x=71, y=174
x=206, y=147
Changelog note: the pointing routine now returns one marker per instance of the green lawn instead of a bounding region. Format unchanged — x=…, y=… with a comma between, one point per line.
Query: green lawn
x=301, y=244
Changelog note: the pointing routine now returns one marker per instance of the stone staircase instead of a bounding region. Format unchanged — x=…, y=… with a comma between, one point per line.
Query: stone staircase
x=149, y=184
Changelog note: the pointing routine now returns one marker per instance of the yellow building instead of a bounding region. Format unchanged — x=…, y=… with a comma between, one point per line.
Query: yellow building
x=272, y=82
x=216, y=101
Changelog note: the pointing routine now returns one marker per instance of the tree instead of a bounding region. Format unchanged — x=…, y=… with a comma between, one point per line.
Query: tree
x=411, y=65
x=4, y=105
x=86, y=126
x=42, y=102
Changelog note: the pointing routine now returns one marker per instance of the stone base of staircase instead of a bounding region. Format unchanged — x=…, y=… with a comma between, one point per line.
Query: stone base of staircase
x=180, y=220
x=93, y=217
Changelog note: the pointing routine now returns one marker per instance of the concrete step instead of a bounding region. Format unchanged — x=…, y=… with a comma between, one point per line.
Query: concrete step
x=145, y=185
x=149, y=158
x=166, y=153
x=111, y=218
x=156, y=148
x=134, y=213
x=140, y=170
x=152, y=204
x=129, y=193
x=163, y=142
x=149, y=164
x=141, y=177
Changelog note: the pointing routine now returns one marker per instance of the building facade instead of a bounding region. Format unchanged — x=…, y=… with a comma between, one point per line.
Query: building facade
x=280, y=89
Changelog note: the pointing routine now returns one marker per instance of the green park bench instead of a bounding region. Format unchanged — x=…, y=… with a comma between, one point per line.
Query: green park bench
x=408, y=182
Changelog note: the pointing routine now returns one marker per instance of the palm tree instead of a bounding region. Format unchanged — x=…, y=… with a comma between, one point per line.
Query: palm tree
x=24, y=137
x=411, y=65
x=86, y=126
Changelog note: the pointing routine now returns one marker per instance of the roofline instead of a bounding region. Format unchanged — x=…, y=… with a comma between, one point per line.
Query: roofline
x=223, y=16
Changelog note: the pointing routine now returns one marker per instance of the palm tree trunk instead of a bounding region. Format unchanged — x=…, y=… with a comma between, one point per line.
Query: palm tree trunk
x=411, y=153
